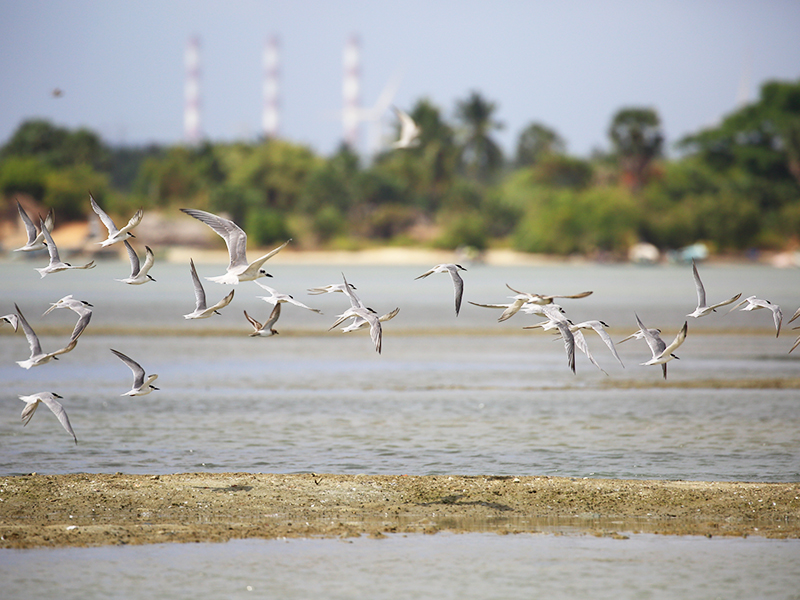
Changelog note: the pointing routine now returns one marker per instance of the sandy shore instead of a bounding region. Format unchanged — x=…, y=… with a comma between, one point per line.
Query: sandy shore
x=99, y=509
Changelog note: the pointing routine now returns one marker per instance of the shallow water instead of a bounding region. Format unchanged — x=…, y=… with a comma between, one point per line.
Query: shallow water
x=416, y=566
x=449, y=394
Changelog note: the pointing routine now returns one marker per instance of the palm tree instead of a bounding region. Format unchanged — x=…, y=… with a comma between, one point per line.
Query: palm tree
x=537, y=141
x=637, y=139
x=481, y=157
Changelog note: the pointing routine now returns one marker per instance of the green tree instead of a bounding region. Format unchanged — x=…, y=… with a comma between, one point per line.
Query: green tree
x=637, y=140
x=26, y=175
x=56, y=146
x=481, y=157
x=536, y=142
x=278, y=169
x=762, y=138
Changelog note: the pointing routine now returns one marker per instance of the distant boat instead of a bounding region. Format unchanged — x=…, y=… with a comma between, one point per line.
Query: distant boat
x=643, y=254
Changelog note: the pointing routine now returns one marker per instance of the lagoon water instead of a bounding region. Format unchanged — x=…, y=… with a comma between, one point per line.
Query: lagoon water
x=461, y=395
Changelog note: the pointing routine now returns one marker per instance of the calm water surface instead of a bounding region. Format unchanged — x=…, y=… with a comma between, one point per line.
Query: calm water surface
x=459, y=395
x=416, y=566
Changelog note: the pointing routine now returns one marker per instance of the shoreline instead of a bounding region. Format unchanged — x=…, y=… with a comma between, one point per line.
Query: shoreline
x=79, y=510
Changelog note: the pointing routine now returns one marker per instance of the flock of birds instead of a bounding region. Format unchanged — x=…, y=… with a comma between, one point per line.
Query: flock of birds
x=241, y=270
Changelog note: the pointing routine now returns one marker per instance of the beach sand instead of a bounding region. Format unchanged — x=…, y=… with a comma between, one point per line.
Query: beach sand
x=103, y=509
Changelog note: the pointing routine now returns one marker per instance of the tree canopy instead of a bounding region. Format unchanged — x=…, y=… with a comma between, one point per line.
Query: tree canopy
x=734, y=186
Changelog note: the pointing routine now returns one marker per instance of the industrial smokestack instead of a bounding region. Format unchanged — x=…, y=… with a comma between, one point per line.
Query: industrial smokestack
x=270, y=115
x=191, y=111
x=351, y=115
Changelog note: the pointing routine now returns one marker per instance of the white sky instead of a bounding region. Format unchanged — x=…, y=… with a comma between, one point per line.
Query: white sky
x=568, y=64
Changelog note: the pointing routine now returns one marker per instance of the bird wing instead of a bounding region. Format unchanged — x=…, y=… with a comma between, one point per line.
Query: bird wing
x=133, y=258
x=375, y=330
x=224, y=302
x=301, y=305
x=256, y=325
x=458, y=285
x=58, y=410
x=33, y=340
x=355, y=301
x=149, y=261
x=601, y=331
x=580, y=342
x=505, y=306
x=389, y=316
x=31, y=404
x=85, y=316
x=679, y=339
x=112, y=229
x=199, y=292
x=133, y=222
x=726, y=302
x=235, y=238
x=512, y=310
x=12, y=320
x=68, y=348
x=745, y=301
x=273, y=317
x=654, y=341
x=777, y=316
x=569, y=342
x=256, y=264
x=136, y=368
x=51, y=245
x=30, y=228
x=581, y=295
x=408, y=128
x=701, y=291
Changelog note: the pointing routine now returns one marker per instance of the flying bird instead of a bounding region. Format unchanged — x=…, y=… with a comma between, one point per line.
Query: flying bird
x=276, y=297
x=336, y=287
x=12, y=320
x=556, y=320
x=49, y=400
x=201, y=311
x=702, y=308
x=35, y=237
x=38, y=357
x=265, y=330
x=754, y=303
x=600, y=328
x=82, y=308
x=140, y=386
x=662, y=353
x=236, y=240
x=139, y=274
x=458, y=283
x=359, y=323
x=796, y=342
x=115, y=235
x=56, y=264
x=358, y=311
x=542, y=299
x=409, y=130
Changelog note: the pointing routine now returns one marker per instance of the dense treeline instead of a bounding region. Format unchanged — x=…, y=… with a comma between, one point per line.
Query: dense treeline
x=734, y=186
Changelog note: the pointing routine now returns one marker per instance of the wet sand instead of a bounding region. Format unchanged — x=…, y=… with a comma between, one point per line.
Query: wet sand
x=100, y=509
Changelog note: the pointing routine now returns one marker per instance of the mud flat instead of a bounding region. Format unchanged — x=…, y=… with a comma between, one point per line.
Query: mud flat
x=101, y=509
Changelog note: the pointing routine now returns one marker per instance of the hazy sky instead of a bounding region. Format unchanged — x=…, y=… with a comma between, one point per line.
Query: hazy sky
x=568, y=64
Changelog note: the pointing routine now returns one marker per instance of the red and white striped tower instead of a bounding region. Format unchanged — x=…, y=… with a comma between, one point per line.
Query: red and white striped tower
x=270, y=116
x=351, y=115
x=191, y=111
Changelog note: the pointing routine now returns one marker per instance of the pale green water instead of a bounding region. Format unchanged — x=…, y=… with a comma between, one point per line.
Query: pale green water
x=461, y=395
x=416, y=566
